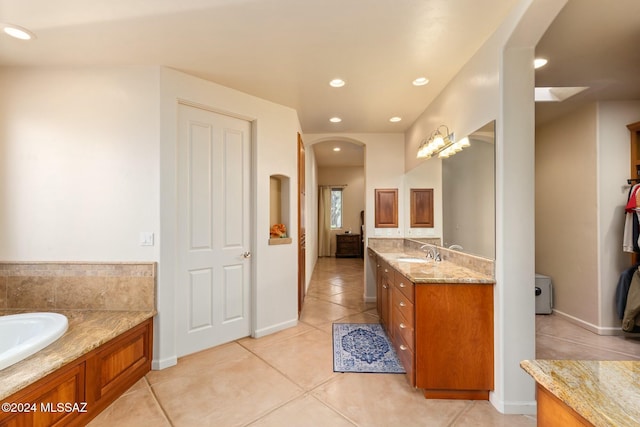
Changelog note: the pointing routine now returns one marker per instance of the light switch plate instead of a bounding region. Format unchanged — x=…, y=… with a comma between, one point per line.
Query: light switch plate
x=146, y=238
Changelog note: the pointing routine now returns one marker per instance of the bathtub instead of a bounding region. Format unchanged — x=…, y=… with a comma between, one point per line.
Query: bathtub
x=22, y=335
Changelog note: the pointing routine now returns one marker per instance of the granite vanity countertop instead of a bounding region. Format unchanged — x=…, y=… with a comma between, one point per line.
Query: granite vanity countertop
x=605, y=393
x=87, y=330
x=432, y=271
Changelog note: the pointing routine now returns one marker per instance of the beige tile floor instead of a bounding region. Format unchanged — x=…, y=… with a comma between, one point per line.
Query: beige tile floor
x=287, y=379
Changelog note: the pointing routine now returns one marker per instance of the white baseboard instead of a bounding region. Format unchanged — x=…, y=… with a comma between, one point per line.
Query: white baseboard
x=258, y=333
x=157, y=364
x=513, y=408
x=600, y=330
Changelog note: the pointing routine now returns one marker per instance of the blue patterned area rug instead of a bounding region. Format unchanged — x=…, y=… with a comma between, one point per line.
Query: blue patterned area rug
x=363, y=347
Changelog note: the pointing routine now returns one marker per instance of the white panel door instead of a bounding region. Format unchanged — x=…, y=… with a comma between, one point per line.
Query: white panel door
x=213, y=289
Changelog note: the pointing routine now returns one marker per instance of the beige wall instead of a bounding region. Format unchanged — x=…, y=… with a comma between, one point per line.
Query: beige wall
x=566, y=216
x=613, y=161
x=353, y=195
x=583, y=254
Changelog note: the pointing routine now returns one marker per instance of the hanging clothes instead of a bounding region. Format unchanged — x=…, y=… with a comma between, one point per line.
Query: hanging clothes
x=632, y=309
x=631, y=224
x=622, y=289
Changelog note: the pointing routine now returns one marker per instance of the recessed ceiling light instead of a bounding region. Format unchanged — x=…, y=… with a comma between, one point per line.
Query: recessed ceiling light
x=18, y=32
x=539, y=62
x=337, y=83
x=336, y=149
x=420, y=81
x=395, y=119
x=335, y=119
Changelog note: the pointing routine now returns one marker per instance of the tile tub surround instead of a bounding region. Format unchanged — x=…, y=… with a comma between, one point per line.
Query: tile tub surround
x=605, y=393
x=450, y=270
x=101, y=300
x=42, y=286
x=88, y=330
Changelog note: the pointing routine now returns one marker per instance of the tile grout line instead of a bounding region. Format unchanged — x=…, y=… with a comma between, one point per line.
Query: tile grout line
x=158, y=402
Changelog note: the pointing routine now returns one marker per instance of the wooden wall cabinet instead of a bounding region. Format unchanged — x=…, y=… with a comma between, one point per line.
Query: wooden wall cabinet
x=89, y=384
x=421, y=207
x=386, y=207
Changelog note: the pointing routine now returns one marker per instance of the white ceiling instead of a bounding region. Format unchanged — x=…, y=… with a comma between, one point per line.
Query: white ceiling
x=286, y=51
x=594, y=43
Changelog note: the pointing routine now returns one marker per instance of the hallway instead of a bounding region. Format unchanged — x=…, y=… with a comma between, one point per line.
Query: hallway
x=287, y=379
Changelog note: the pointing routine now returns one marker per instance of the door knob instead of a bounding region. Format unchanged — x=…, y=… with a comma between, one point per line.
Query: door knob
x=246, y=254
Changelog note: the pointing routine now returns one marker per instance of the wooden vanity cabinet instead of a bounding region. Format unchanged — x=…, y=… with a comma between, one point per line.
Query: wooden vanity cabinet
x=454, y=340
x=87, y=385
x=442, y=333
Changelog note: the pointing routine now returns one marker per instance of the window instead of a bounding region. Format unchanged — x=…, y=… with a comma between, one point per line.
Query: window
x=336, y=208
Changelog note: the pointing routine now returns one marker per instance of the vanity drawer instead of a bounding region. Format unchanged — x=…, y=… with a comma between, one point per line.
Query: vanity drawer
x=402, y=328
x=405, y=285
x=403, y=305
x=407, y=360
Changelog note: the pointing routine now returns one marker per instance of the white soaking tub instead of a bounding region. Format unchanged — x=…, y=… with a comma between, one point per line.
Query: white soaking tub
x=22, y=335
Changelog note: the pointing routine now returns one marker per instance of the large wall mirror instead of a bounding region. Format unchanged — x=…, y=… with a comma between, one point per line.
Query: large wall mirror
x=464, y=195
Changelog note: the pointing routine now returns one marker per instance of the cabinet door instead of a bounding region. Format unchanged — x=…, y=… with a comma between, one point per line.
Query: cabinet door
x=385, y=295
x=65, y=386
x=386, y=208
x=120, y=363
x=421, y=207
x=376, y=262
x=454, y=339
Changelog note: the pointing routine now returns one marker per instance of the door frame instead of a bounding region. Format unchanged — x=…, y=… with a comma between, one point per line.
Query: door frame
x=302, y=252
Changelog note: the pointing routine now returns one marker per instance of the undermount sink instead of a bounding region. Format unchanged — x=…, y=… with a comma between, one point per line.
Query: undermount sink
x=412, y=259
x=22, y=335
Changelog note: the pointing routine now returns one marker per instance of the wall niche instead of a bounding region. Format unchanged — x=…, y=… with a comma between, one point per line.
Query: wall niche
x=279, y=202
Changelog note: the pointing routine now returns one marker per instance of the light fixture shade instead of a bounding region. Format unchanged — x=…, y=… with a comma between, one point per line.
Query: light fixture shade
x=441, y=142
x=438, y=141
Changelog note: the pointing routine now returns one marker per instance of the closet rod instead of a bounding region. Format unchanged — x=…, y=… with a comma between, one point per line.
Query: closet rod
x=629, y=181
x=333, y=186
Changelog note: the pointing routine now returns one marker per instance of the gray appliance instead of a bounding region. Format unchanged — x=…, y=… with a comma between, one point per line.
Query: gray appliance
x=544, y=294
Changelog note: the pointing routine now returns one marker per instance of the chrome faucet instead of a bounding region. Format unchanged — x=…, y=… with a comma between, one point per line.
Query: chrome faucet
x=432, y=252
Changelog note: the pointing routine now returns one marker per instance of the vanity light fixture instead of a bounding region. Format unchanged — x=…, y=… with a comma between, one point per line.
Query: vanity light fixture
x=17, y=32
x=336, y=149
x=441, y=142
x=335, y=119
x=337, y=83
x=420, y=81
x=395, y=119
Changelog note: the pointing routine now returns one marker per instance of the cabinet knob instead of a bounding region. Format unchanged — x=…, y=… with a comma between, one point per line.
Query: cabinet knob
x=403, y=347
x=385, y=286
x=402, y=304
x=378, y=265
x=401, y=285
x=403, y=326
